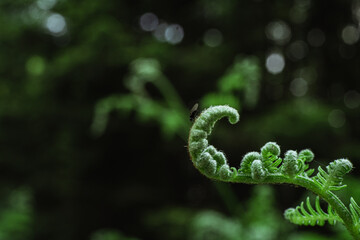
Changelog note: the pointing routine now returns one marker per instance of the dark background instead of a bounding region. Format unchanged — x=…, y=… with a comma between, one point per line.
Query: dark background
x=64, y=177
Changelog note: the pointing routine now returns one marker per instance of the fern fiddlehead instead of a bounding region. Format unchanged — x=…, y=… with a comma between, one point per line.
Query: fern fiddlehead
x=207, y=159
x=332, y=180
x=268, y=167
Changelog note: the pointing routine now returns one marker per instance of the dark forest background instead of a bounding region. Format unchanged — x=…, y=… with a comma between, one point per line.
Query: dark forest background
x=94, y=113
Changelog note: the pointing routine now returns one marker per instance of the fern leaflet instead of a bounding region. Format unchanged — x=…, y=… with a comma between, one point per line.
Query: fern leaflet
x=355, y=212
x=332, y=179
x=311, y=216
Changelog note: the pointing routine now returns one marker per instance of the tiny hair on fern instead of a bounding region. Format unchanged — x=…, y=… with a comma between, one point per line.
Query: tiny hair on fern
x=268, y=167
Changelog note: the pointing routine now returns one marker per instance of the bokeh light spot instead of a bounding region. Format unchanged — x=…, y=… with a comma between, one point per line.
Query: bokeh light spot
x=336, y=118
x=149, y=22
x=56, y=24
x=159, y=32
x=298, y=87
x=356, y=10
x=298, y=50
x=278, y=31
x=35, y=14
x=174, y=33
x=350, y=34
x=275, y=63
x=213, y=38
x=352, y=99
x=316, y=37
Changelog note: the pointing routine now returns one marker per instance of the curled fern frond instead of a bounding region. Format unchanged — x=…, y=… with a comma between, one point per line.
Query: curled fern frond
x=257, y=170
x=226, y=172
x=332, y=179
x=311, y=216
x=270, y=148
x=306, y=155
x=290, y=167
x=245, y=165
x=268, y=167
x=206, y=158
x=269, y=156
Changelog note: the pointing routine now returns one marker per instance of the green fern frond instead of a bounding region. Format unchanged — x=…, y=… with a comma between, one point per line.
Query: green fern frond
x=305, y=156
x=268, y=167
x=207, y=158
x=245, y=165
x=270, y=157
x=355, y=212
x=311, y=216
x=332, y=179
x=290, y=166
x=272, y=162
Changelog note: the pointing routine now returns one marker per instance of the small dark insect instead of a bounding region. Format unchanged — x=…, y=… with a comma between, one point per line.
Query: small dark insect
x=193, y=112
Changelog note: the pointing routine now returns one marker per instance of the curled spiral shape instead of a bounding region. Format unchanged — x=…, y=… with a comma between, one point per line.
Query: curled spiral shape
x=339, y=168
x=332, y=179
x=257, y=165
x=213, y=163
x=257, y=170
x=306, y=155
x=206, y=158
x=247, y=161
x=266, y=166
x=290, y=166
x=270, y=148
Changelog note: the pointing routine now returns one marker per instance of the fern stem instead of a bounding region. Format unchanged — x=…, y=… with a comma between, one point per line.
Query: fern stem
x=309, y=184
x=333, y=200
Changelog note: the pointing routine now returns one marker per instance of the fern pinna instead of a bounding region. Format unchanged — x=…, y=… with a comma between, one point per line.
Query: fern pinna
x=268, y=167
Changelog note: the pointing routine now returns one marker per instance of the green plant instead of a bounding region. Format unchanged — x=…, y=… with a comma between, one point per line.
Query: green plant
x=16, y=215
x=256, y=219
x=267, y=167
x=109, y=234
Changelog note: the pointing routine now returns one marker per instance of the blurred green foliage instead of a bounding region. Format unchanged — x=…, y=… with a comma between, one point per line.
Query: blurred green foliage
x=181, y=223
x=108, y=234
x=16, y=215
x=241, y=79
x=170, y=112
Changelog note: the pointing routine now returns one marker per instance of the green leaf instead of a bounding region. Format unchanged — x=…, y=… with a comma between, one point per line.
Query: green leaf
x=311, y=216
x=332, y=179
